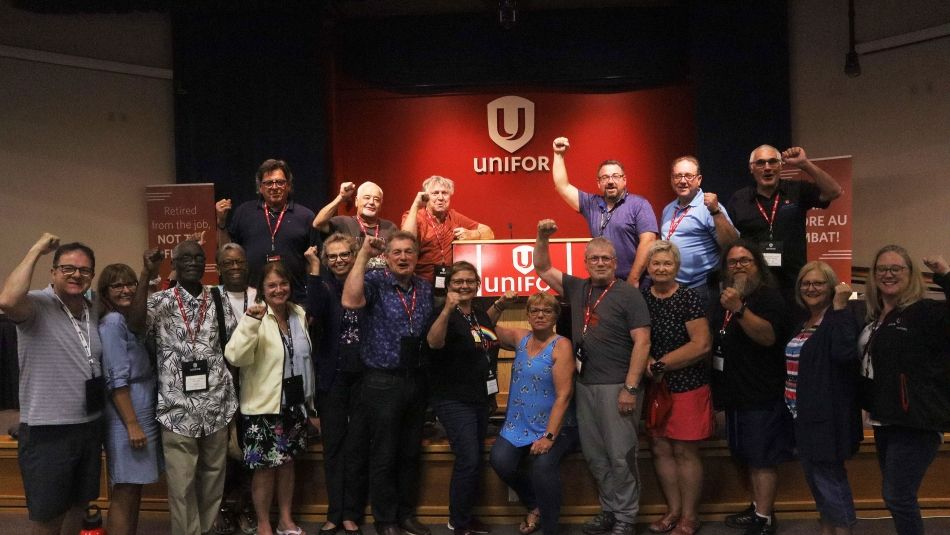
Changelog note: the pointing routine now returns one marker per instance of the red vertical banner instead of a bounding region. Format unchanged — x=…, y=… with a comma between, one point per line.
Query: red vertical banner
x=177, y=212
x=829, y=231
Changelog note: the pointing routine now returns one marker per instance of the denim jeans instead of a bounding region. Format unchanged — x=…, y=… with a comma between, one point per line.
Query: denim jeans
x=904, y=454
x=345, y=449
x=392, y=406
x=538, y=483
x=829, y=485
x=465, y=424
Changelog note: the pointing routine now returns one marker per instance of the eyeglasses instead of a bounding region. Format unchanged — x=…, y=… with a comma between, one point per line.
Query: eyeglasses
x=813, y=284
x=540, y=311
x=274, y=183
x=233, y=263
x=600, y=259
x=464, y=282
x=68, y=270
x=689, y=177
x=187, y=259
x=745, y=261
x=342, y=256
x=892, y=269
x=615, y=176
x=119, y=286
x=759, y=164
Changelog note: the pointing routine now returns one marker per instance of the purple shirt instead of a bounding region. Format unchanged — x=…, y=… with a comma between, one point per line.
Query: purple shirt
x=631, y=216
x=386, y=318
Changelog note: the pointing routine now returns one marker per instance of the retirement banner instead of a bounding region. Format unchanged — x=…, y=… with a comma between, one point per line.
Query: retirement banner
x=177, y=212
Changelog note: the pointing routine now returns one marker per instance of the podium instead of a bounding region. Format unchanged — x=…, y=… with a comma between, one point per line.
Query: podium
x=509, y=264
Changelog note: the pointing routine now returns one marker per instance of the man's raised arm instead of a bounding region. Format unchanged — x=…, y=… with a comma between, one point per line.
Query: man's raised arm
x=559, y=171
x=542, y=258
x=353, y=295
x=13, y=299
x=322, y=220
x=828, y=186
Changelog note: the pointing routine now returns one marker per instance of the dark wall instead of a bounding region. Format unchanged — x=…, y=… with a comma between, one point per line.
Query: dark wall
x=252, y=86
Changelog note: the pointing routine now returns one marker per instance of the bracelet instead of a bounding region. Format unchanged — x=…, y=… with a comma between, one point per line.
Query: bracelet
x=717, y=212
x=658, y=367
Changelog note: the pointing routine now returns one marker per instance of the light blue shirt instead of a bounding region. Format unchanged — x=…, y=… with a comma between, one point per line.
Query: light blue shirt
x=695, y=236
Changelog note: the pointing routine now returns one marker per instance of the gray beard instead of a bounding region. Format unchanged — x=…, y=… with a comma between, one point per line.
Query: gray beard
x=745, y=284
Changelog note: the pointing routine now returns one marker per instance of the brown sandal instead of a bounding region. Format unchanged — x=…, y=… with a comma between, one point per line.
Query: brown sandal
x=665, y=524
x=530, y=524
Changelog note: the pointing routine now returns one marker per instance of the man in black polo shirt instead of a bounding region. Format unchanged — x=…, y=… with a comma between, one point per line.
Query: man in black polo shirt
x=271, y=228
x=772, y=212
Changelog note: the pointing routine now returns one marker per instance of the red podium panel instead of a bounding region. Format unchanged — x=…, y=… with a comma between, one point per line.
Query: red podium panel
x=509, y=264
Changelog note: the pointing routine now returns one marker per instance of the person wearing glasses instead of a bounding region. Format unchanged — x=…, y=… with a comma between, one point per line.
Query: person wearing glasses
x=906, y=370
x=540, y=426
x=366, y=222
x=463, y=379
x=133, y=441
x=271, y=228
x=772, y=211
x=698, y=225
x=821, y=362
x=339, y=371
x=623, y=218
x=748, y=377
x=62, y=389
x=611, y=335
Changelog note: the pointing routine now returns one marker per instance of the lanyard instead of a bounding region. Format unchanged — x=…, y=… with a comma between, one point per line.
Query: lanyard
x=606, y=214
x=203, y=309
x=675, y=222
x=589, y=310
x=226, y=294
x=288, y=340
x=365, y=228
x=727, y=317
x=439, y=230
x=769, y=220
x=476, y=327
x=273, y=229
x=405, y=305
x=84, y=339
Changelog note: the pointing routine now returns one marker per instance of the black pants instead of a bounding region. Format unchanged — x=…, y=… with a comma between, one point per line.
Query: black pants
x=392, y=406
x=345, y=449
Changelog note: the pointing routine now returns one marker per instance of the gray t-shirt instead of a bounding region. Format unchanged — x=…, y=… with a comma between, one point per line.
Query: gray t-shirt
x=607, y=344
x=54, y=366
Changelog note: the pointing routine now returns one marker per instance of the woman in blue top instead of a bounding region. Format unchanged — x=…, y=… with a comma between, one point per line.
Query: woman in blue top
x=133, y=443
x=539, y=427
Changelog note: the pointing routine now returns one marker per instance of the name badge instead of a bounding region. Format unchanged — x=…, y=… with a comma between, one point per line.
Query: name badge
x=772, y=251
x=492, y=386
x=293, y=390
x=273, y=257
x=195, y=375
x=476, y=336
x=718, y=362
x=441, y=276
x=95, y=394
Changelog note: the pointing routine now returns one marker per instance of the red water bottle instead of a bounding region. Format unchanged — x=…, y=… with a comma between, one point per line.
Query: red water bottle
x=92, y=524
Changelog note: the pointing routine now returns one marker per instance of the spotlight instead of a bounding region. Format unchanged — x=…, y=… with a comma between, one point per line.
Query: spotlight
x=507, y=13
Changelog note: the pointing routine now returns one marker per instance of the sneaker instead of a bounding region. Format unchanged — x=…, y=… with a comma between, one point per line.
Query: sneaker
x=744, y=518
x=475, y=526
x=623, y=528
x=765, y=526
x=602, y=523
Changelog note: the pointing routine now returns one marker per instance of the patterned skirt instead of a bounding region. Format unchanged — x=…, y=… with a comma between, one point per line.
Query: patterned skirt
x=271, y=440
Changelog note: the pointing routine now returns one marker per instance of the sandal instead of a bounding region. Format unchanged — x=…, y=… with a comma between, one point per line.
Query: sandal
x=224, y=523
x=665, y=524
x=687, y=527
x=530, y=524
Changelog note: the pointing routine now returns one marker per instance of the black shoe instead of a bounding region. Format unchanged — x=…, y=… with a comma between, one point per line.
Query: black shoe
x=356, y=531
x=386, y=528
x=744, y=518
x=623, y=528
x=413, y=527
x=331, y=531
x=602, y=523
x=477, y=526
x=765, y=526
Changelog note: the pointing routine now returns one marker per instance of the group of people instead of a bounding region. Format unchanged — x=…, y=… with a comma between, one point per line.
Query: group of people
x=359, y=336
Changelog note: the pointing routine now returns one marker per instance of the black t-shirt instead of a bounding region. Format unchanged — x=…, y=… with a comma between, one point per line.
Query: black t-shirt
x=753, y=376
x=351, y=227
x=460, y=369
x=668, y=319
x=795, y=199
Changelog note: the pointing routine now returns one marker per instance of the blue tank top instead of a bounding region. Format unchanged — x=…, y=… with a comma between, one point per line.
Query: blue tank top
x=532, y=396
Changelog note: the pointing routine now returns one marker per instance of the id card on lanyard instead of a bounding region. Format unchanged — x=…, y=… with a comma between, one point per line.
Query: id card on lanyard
x=491, y=382
x=771, y=250
x=590, y=320
x=96, y=385
x=194, y=372
x=292, y=385
x=272, y=256
x=719, y=359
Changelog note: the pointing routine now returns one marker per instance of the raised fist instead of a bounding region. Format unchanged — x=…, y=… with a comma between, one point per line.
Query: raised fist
x=546, y=228
x=422, y=199
x=794, y=156
x=256, y=310
x=347, y=190
x=151, y=260
x=221, y=209
x=374, y=246
x=561, y=144
x=842, y=294
x=937, y=264
x=47, y=243
x=312, y=254
x=711, y=200
x=451, y=300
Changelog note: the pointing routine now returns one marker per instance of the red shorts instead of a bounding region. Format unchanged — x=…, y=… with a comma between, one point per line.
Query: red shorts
x=691, y=417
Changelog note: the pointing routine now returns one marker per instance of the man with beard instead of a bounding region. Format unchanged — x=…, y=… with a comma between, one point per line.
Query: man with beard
x=398, y=312
x=271, y=228
x=749, y=333
x=196, y=398
x=436, y=225
x=626, y=219
x=772, y=211
x=611, y=337
x=339, y=370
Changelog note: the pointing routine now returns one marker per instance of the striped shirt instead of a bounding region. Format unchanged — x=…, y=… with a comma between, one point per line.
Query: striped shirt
x=792, y=353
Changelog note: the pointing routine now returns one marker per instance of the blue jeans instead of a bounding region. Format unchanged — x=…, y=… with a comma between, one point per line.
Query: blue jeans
x=904, y=454
x=465, y=424
x=539, y=483
x=829, y=485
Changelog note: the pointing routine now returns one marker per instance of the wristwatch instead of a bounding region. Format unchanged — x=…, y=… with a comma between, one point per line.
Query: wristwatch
x=739, y=313
x=550, y=436
x=631, y=389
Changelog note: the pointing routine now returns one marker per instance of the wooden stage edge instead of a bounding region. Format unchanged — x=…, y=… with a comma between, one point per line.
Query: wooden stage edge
x=724, y=491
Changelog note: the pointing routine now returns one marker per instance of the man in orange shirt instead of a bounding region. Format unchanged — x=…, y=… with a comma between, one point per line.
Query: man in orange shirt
x=436, y=226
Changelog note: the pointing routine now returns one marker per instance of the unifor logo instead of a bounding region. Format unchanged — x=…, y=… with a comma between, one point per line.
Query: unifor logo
x=511, y=122
x=522, y=257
